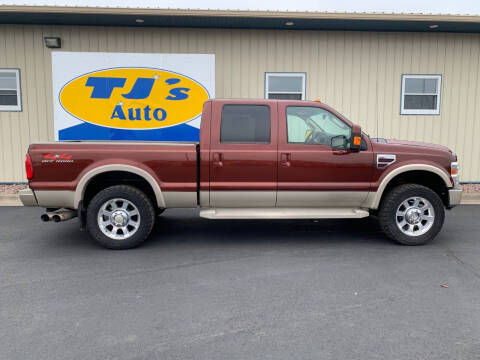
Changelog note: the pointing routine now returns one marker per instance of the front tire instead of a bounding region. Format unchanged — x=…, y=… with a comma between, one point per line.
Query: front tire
x=120, y=217
x=411, y=214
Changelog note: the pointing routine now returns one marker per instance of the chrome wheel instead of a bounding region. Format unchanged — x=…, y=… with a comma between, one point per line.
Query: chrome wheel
x=118, y=219
x=415, y=216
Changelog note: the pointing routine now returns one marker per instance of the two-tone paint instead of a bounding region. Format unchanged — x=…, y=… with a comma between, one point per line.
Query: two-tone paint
x=212, y=174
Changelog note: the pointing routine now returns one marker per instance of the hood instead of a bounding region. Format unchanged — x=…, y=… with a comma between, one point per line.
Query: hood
x=411, y=144
x=418, y=143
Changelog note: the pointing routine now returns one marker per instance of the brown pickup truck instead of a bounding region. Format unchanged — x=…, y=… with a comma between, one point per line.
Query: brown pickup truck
x=256, y=159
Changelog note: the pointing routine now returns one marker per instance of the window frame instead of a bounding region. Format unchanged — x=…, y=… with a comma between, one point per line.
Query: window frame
x=250, y=142
x=436, y=111
x=313, y=144
x=17, y=107
x=303, y=75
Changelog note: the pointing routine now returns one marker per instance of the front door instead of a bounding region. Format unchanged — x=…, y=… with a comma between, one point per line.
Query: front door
x=310, y=172
x=243, y=154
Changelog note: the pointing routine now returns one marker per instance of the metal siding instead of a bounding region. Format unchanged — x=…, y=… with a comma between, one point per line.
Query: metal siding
x=358, y=73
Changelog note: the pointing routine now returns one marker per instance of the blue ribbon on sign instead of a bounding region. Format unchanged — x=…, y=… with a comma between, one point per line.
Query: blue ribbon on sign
x=87, y=131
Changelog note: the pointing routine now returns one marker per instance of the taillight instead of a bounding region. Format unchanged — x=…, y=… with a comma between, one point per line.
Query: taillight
x=28, y=167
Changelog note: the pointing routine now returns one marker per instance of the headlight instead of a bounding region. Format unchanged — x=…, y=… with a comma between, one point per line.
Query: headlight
x=454, y=173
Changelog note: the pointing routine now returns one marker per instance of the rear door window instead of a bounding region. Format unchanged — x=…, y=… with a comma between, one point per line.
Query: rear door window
x=245, y=124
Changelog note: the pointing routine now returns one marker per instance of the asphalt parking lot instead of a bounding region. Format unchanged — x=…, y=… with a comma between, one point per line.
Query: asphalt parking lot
x=202, y=289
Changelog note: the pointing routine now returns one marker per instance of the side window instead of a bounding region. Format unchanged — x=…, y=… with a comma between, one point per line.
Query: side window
x=421, y=94
x=289, y=86
x=245, y=124
x=10, y=99
x=312, y=125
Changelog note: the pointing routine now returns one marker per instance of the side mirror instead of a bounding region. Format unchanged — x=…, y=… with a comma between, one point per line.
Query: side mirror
x=356, y=140
x=339, y=142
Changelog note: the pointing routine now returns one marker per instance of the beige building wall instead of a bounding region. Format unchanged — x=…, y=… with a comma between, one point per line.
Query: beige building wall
x=358, y=73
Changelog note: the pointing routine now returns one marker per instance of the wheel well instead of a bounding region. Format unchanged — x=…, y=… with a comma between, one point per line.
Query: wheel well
x=111, y=178
x=420, y=177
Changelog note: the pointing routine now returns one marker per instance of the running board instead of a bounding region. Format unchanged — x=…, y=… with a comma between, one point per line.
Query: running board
x=284, y=213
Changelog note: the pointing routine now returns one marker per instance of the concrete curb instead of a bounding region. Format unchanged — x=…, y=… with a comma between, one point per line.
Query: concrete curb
x=14, y=200
x=10, y=200
x=471, y=198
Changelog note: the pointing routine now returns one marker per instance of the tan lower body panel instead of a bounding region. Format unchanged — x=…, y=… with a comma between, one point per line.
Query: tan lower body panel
x=204, y=198
x=27, y=197
x=56, y=198
x=64, y=198
x=284, y=213
x=371, y=200
x=321, y=198
x=291, y=199
x=233, y=199
x=242, y=199
x=180, y=199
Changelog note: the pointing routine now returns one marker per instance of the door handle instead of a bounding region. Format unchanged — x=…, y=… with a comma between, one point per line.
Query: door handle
x=285, y=159
x=217, y=159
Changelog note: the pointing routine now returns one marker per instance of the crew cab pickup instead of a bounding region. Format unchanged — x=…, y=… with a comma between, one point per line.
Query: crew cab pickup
x=256, y=159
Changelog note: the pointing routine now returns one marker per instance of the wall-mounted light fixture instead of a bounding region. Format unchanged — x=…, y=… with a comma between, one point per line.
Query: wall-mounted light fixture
x=289, y=23
x=52, y=42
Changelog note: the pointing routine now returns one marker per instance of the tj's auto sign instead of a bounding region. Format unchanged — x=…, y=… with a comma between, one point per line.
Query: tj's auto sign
x=113, y=96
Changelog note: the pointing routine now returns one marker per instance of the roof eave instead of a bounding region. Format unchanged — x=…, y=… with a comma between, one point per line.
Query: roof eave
x=240, y=13
x=245, y=19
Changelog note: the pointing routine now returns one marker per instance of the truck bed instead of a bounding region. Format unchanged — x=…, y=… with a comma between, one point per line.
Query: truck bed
x=59, y=166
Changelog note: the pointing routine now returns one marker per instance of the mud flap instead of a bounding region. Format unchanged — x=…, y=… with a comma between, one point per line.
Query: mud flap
x=82, y=215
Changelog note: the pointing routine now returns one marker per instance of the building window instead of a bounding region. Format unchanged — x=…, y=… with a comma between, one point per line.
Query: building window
x=10, y=99
x=245, y=124
x=421, y=94
x=290, y=86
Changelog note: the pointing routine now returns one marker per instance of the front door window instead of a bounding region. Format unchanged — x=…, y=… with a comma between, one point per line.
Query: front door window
x=315, y=126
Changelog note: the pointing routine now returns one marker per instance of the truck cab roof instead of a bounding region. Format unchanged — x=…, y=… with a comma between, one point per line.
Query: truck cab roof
x=270, y=101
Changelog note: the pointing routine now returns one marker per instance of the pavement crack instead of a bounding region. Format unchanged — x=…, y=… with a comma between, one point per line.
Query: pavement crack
x=131, y=272
x=459, y=261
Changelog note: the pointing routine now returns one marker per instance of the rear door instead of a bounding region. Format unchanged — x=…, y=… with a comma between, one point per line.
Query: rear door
x=243, y=154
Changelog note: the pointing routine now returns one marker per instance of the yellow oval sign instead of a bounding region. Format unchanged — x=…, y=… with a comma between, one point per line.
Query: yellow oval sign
x=133, y=98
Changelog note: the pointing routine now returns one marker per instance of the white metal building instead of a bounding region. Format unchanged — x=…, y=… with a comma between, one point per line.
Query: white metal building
x=399, y=76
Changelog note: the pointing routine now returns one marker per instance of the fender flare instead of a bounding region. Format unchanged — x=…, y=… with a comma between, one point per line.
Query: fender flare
x=82, y=184
x=373, y=199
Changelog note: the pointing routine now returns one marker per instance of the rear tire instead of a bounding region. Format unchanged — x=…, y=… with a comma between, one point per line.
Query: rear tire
x=120, y=217
x=411, y=214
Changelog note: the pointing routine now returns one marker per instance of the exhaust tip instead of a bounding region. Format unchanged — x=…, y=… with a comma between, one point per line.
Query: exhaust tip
x=45, y=217
x=56, y=218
